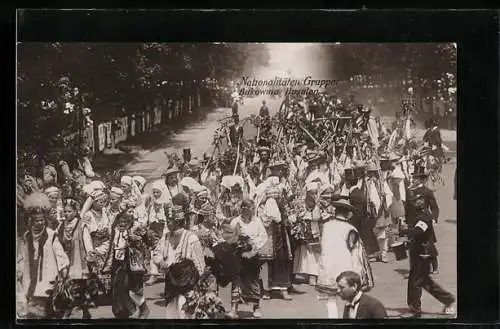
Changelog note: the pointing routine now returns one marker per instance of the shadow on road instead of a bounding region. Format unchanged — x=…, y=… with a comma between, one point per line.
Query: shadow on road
x=402, y=271
x=402, y=310
x=452, y=221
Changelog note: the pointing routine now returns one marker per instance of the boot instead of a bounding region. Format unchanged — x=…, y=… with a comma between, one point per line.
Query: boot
x=143, y=311
x=233, y=314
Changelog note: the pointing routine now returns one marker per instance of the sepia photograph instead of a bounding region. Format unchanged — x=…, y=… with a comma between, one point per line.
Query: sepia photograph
x=236, y=181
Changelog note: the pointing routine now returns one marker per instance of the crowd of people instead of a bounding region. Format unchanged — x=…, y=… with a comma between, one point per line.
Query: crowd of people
x=250, y=219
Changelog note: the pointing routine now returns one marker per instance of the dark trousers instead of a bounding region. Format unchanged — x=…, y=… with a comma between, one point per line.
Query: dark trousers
x=419, y=278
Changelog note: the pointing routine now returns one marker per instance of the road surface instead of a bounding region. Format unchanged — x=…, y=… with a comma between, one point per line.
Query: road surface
x=390, y=285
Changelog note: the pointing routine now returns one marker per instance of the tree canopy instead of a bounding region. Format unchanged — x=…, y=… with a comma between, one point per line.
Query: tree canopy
x=54, y=79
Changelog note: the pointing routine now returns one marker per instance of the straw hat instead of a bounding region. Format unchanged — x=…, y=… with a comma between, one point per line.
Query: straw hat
x=171, y=171
x=343, y=204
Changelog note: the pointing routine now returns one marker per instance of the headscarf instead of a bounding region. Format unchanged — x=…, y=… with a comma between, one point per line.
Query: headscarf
x=158, y=185
x=126, y=180
x=93, y=186
x=140, y=181
x=192, y=184
x=98, y=195
x=116, y=191
x=52, y=190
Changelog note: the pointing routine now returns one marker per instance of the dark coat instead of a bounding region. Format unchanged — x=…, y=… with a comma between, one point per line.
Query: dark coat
x=369, y=308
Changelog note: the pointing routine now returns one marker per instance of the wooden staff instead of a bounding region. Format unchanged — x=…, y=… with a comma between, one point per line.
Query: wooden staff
x=237, y=157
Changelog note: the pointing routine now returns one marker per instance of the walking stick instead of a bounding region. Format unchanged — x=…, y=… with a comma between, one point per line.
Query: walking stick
x=237, y=157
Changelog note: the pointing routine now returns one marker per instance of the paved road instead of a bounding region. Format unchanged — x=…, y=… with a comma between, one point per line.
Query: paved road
x=390, y=285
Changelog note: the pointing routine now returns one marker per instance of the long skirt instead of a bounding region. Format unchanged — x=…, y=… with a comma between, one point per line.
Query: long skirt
x=127, y=291
x=280, y=266
x=247, y=286
x=306, y=260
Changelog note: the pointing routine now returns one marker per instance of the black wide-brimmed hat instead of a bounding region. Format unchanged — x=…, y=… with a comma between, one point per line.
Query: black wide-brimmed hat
x=343, y=204
x=349, y=174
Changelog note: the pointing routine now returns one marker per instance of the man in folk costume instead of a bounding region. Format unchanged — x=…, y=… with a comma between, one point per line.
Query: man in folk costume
x=357, y=194
x=42, y=258
x=172, y=185
x=341, y=250
x=434, y=139
x=277, y=254
x=261, y=163
x=235, y=131
x=379, y=199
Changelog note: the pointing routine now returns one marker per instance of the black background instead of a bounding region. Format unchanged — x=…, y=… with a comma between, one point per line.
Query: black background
x=475, y=32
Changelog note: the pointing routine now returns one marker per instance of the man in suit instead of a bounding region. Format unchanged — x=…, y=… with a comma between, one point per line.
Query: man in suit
x=359, y=305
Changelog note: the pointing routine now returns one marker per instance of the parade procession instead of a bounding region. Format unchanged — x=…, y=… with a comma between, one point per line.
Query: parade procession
x=291, y=199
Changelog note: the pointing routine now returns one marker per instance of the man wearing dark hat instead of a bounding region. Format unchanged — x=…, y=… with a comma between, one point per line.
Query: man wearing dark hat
x=434, y=139
x=357, y=195
x=430, y=206
x=421, y=241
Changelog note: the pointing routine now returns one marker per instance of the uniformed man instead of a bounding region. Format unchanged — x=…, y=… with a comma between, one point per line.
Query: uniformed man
x=430, y=206
x=420, y=235
x=419, y=178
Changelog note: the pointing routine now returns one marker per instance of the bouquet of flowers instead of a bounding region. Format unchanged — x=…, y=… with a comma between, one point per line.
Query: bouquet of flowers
x=203, y=302
x=244, y=244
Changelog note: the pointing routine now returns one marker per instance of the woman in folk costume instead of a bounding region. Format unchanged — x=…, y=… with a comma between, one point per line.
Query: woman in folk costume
x=56, y=211
x=229, y=205
x=140, y=210
x=247, y=286
x=277, y=254
x=157, y=220
x=115, y=205
x=84, y=163
x=180, y=257
x=379, y=200
x=41, y=259
x=341, y=250
x=75, y=238
x=94, y=216
x=192, y=188
x=49, y=175
x=396, y=182
x=306, y=231
x=125, y=260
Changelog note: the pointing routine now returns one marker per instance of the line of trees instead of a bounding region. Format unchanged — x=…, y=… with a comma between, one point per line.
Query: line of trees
x=56, y=81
